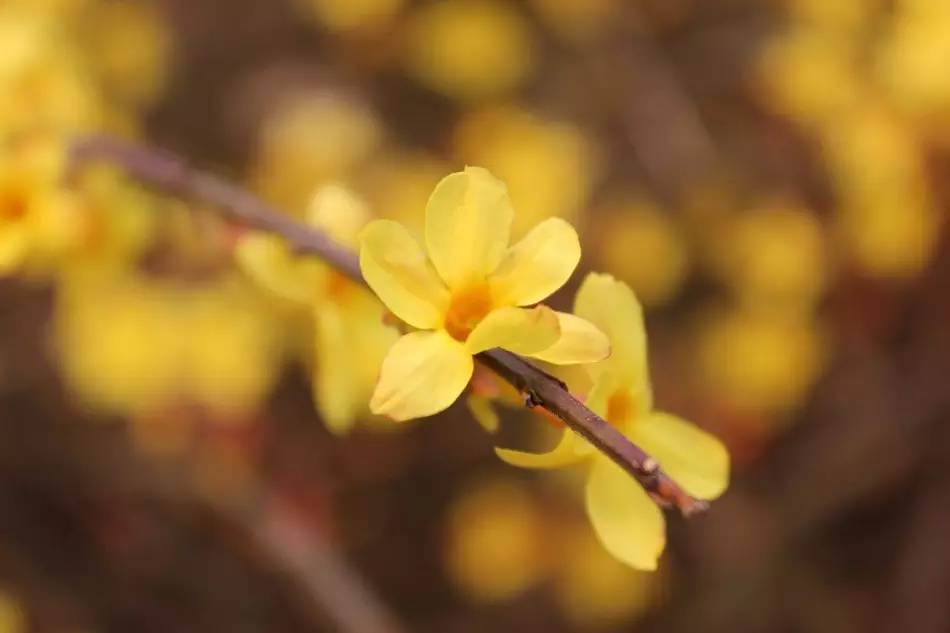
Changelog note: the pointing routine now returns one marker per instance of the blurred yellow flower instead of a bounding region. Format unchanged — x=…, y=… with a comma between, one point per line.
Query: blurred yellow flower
x=348, y=15
x=811, y=75
x=593, y=588
x=774, y=257
x=128, y=46
x=469, y=49
x=464, y=293
x=887, y=220
x=38, y=220
x=116, y=219
x=350, y=338
x=495, y=543
x=12, y=619
x=43, y=83
x=759, y=362
x=132, y=345
x=642, y=245
x=312, y=139
x=549, y=166
x=628, y=523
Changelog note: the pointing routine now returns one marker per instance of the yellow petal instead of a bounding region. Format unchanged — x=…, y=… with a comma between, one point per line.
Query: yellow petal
x=14, y=244
x=570, y=450
x=625, y=519
x=468, y=221
x=580, y=342
x=520, y=330
x=423, y=373
x=613, y=308
x=484, y=412
x=696, y=460
x=397, y=270
x=267, y=260
x=540, y=263
x=335, y=383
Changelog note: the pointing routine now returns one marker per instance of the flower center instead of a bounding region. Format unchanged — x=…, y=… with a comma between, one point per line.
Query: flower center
x=466, y=310
x=620, y=408
x=13, y=205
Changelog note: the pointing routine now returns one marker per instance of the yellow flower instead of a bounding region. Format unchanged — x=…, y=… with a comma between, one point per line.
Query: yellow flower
x=469, y=49
x=494, y=547
x=37, y=217
x=781, y=356
x=465, y=292
x=644, y=246
x=626, y=520
x=350, y=339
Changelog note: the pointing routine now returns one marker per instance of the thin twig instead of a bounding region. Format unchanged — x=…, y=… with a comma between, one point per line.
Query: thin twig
x=169, y=173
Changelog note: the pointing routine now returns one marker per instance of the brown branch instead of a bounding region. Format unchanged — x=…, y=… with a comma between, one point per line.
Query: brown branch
x=169, y=173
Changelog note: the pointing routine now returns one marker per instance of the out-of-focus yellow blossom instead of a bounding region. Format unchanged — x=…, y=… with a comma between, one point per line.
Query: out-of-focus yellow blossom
x=38, y=220
x=464, y=293
x=350, y=338
x=592, y=587
x=579, y=20
x=128, y=46
x=887, y=220
x=310, y=140
x=116, y=219
x=759, y=362
x=131, y=345
x=912, y=58
x=495, y=546
x=12, y=619
x=549, y=166
x=469, y=49
x=627, y=521
x=348, y=15
x=43, y=84
x=643, y=246
x=774, y=256
x=843, y=16
x=811, y=75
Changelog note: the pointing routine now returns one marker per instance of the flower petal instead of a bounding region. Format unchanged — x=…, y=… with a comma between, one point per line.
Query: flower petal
x=267, y=260
x=613, y=308
x=397, y=270
x=580, y=342
x=540, y=263
x=696, y=460
x=423, y=373
x=520, y=330
x=335, y=383
x=567, y=452
x=625, y=519
x=468, y=223
x=484, y=412
x=14, y=245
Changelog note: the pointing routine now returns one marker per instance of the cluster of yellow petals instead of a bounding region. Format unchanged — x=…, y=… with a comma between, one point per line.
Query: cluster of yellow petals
x=349, y=337
x=627, y=521
x=466, y=291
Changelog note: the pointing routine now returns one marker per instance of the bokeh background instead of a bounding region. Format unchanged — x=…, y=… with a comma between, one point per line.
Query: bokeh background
x=769, y=176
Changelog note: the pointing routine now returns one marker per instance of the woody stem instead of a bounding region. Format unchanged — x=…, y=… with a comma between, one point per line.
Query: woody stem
x=171, y=174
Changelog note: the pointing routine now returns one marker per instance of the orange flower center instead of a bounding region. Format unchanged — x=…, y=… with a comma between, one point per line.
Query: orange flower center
x=338, y=287
x=13, y=205
x=620, y=408
x=466, y=310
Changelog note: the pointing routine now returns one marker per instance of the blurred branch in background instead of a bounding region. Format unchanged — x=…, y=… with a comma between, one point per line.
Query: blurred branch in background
x=171, y=174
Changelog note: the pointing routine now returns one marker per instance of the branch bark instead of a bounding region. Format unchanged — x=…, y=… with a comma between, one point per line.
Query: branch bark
x=169, y=173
